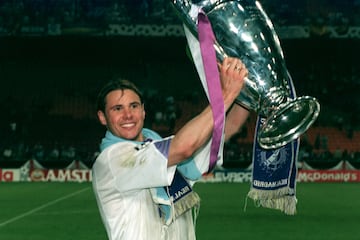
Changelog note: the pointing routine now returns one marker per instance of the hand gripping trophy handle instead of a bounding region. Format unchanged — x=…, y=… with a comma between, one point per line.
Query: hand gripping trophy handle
x=242, y=29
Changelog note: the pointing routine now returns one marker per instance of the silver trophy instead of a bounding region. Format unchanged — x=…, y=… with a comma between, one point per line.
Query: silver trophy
x=242, y=29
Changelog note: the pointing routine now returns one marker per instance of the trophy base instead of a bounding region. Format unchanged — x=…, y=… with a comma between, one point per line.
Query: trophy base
x=288, y=122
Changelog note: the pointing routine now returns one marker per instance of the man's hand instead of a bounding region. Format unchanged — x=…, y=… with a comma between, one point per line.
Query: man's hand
x=232, y=76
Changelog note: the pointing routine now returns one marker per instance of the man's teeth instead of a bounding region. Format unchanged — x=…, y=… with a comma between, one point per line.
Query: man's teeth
x=128, y=125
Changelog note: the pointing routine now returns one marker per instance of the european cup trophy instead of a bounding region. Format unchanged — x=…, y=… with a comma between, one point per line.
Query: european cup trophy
x=242, y=29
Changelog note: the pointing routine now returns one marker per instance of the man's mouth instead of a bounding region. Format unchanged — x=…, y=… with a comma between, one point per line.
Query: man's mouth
x=128, y=125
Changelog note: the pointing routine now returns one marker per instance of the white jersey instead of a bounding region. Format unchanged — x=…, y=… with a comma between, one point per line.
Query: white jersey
x=123, y=177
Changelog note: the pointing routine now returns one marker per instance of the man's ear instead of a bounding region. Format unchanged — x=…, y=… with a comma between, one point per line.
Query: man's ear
x=101, y=117
x=144, y=112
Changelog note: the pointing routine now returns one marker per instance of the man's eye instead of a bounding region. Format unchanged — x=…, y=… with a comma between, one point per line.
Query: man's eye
x=135, y=105
x=117, y=108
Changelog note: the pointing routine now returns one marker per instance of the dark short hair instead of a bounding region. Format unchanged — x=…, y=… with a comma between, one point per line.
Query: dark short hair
x=118, y=84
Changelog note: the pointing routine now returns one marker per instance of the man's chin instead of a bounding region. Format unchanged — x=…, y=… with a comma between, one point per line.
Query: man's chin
x=136, y=138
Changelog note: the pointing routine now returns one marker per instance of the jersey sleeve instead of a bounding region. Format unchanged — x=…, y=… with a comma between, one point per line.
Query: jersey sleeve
x=138, y=166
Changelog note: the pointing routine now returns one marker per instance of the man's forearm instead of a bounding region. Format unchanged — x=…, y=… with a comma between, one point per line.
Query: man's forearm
x=191, y=136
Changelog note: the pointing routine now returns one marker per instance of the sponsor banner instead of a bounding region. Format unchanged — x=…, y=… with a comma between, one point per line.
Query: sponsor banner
x=240, y=176
x=233, y=176
x=60, y=175
x=224, y=175
x=328, y=176
x=9, y=175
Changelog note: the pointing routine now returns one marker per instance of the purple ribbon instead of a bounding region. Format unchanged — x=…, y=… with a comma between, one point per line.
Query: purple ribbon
x=207, y=40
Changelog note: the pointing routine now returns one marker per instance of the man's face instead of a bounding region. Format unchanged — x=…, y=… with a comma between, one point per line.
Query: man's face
x=124, y=114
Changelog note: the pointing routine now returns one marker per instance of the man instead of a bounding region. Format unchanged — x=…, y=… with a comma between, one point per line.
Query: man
x=142, y=182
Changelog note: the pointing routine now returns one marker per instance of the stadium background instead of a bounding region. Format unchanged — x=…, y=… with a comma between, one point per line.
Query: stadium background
x=54, y=56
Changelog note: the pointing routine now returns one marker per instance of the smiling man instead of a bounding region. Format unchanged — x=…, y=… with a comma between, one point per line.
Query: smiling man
x=123, y=113
x=143, y=182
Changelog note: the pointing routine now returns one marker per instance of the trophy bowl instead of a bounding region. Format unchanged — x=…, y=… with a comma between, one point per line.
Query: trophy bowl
x=242, y=29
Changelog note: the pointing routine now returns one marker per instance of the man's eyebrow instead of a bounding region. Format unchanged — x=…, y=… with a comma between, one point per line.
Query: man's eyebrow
x=120, y=105
x=116, y=106
x=135, y=102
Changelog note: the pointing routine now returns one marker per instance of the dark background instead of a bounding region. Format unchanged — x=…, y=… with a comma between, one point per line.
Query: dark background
x=49, y=83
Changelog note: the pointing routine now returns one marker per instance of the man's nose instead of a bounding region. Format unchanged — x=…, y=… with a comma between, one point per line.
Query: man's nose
x=127, y=113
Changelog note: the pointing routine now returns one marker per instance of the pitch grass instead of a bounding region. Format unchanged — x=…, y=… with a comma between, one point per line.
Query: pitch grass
x=67, y=211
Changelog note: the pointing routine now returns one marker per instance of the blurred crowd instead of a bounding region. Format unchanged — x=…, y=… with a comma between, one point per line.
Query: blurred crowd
x=63, y=135
x=53, y=15
x=59, y=139
x=66, y=129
